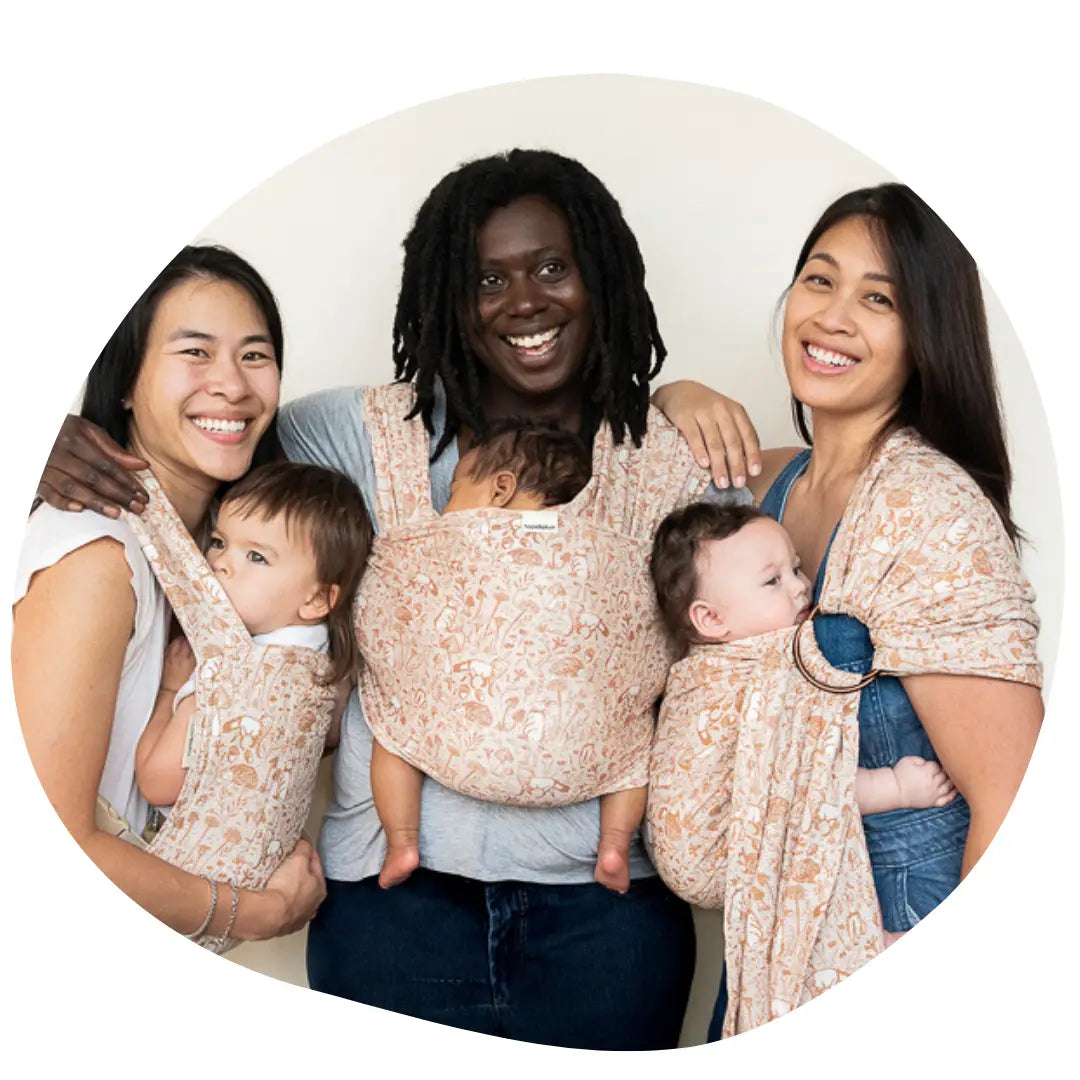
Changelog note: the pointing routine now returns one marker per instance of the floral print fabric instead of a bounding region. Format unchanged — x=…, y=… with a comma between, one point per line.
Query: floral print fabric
x=513, y=665
x=260, y=722
x=752, y=797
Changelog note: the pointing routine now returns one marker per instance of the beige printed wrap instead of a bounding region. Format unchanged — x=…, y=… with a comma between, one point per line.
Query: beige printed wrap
x=515, y=666
x=752, y=785
x=261, y=717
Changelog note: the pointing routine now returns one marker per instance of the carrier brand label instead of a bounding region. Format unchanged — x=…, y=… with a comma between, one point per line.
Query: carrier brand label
x=540, y=520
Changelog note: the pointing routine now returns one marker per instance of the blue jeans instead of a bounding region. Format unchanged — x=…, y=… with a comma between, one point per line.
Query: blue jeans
x=565, y=965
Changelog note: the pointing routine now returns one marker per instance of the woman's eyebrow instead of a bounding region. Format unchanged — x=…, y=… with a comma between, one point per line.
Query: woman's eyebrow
x=183, y=332
x=548, y=252
x=824, y=256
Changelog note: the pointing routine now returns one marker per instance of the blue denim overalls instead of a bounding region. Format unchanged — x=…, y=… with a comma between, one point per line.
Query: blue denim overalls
x=915, y=854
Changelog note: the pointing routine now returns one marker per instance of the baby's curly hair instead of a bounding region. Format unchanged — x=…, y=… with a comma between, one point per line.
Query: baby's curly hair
x=546, y=460
x=675, y=548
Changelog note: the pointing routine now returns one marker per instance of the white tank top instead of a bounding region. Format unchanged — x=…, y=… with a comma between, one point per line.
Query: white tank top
x=52, y=534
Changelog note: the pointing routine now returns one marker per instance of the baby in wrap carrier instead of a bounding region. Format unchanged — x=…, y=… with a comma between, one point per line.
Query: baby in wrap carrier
x=517, y=465
x=724, y=573
x=288, y=545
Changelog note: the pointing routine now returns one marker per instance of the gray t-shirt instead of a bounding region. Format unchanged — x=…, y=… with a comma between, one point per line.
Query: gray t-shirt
x=458, y=834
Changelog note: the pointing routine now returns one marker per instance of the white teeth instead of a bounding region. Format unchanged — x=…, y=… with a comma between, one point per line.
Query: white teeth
x=220, y=426
x=826, y=356
x=533, y=341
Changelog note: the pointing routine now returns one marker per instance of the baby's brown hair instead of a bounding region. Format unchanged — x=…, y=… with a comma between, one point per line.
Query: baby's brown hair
x=329, y=508
x=547, y=460
x=675, y=546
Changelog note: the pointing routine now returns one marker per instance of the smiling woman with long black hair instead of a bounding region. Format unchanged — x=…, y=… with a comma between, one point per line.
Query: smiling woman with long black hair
x=885, y=333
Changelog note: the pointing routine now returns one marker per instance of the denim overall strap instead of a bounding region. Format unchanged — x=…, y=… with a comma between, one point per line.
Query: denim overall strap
x=776, y=497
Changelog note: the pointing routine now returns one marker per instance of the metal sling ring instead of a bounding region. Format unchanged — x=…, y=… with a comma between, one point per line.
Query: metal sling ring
x=812, y=679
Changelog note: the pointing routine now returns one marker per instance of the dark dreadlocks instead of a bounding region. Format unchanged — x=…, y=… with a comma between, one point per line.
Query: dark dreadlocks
x=439, y=291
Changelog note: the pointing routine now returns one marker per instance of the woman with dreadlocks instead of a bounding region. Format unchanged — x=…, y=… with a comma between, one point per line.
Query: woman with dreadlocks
x=522, y=294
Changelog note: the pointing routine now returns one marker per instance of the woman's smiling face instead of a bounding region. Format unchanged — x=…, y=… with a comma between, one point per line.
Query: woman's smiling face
x=208, y=385
x=536, y=319
x=844, y=344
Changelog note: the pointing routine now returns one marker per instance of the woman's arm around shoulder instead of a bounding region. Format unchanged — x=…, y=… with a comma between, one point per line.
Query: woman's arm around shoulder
x=721, y=436
x=86, y=468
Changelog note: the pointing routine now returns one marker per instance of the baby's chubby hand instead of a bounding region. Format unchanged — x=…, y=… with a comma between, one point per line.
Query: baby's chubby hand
x=179, y=664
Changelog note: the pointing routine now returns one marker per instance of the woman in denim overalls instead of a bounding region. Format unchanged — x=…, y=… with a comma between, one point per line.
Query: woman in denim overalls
x=884, y=327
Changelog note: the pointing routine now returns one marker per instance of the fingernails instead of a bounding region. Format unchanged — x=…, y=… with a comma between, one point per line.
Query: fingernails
x=722, y=482
x=111, y=511
x=703, y=462
x=755, y=470
x=75, y=507
x=740, y=481
x=137, y=506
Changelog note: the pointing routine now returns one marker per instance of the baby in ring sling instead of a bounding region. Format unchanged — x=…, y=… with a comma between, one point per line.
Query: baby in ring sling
x=755, y=792
x=512, y=645
x=233, y=753
x=724, y=573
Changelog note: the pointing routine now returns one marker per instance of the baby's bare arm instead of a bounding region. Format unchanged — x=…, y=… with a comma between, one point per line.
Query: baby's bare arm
x=160, y=753
x=877, y=790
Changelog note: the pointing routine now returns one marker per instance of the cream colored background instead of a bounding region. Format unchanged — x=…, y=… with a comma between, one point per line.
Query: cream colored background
x=720, y=190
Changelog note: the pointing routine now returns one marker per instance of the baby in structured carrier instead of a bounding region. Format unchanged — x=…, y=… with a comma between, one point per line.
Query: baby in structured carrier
x=517, y=465
x=724, y=573
x=288, y=544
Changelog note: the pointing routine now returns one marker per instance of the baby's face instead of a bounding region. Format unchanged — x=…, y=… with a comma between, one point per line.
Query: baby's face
x=267, y=571
x=752, y=582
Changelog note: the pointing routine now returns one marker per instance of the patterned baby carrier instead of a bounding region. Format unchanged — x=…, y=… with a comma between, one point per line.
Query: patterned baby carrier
x=514, y=665
x=752, y=788
x=258, y=728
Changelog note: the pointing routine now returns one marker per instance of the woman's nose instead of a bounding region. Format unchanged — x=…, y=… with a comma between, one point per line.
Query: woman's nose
x=835, y=315
x=525, y=297
x=227, y=377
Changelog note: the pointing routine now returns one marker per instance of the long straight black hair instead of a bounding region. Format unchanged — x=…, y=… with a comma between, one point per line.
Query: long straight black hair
x=951, y=397
x=116, y=369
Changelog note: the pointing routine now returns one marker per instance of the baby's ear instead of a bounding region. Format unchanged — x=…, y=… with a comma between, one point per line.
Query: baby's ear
x=707, y=622
x=320, y=603
x=503, y=487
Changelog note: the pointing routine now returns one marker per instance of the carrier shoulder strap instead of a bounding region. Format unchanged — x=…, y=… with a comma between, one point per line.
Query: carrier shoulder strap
x=208, y=619
x=401, y=450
